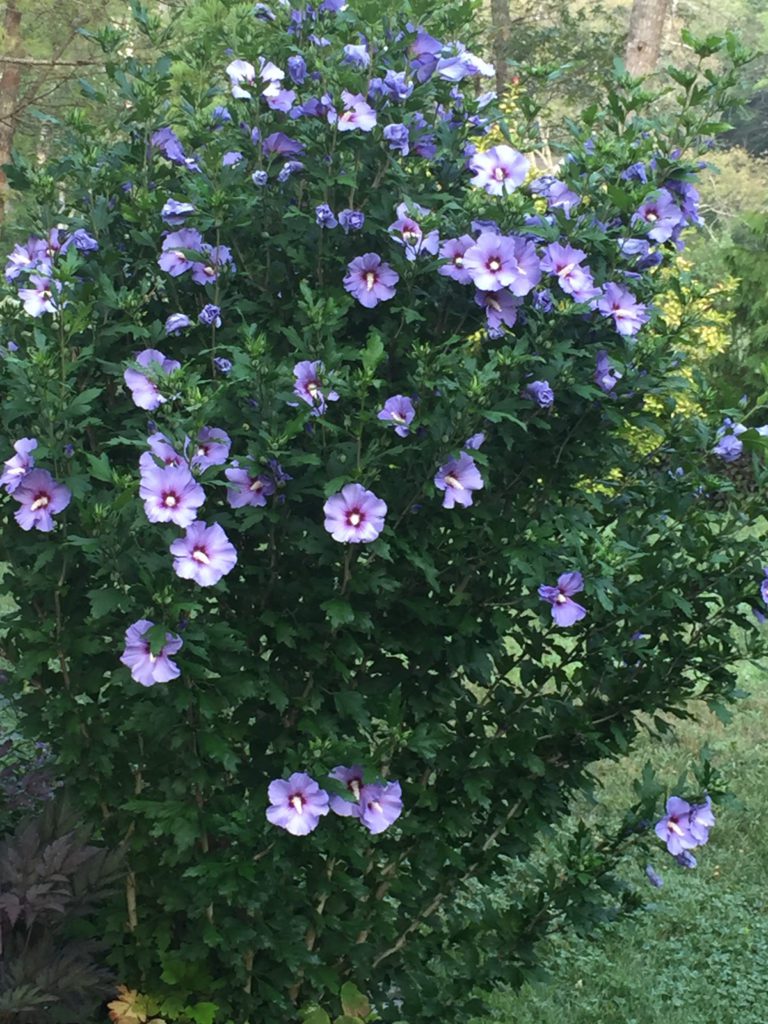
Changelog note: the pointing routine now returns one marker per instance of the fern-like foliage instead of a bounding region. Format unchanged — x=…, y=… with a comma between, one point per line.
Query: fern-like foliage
x=51, y=879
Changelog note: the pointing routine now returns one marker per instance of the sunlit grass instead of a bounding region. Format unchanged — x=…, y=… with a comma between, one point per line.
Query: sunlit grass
x=699, y=949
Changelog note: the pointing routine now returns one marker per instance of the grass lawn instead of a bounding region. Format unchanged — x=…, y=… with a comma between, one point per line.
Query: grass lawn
x=698, y=952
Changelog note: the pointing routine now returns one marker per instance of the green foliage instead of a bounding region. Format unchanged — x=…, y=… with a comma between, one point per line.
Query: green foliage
x=426, y=656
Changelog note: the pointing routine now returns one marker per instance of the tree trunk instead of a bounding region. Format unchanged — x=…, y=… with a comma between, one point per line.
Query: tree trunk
x=501, y=26
x=10, y=80
x=646, y=31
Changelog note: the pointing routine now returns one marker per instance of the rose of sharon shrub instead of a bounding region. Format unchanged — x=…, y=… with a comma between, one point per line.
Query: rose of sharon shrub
x=290, y=501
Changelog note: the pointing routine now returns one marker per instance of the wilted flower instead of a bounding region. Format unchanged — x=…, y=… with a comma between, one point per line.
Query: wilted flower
x=541, y=393
x=324, y=216
x=357, y=55
x=204, y=554
x=351, y=220
x=144, y=391
x=397, y=137
x=222, y=365
x=565, y=611
x=148, y=668
x=370, y=280
x=655, y=879
x=232, y=158
x=260, y=178
x=17, y=466
x=289, y=167
x=354, y=515
x=398, y=410
x=210, y=315
x=176, y=322
x=729, y=444
x=40, y=498
x=175, y=213
x=297, y=802
x=297, y=68
x=458, y=478
x=499, y=170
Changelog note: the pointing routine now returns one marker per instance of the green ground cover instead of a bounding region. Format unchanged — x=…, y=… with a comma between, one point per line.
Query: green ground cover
x=699, y=948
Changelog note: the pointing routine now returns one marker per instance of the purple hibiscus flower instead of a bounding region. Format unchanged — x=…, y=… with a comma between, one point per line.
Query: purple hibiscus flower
x=628, y=314
x=453, y=250
x=729, y=444
x=172, y=258
x=279, y=144
x=370, y=280
x=175, y=213
x=278, y=98
x=381, y=803
x=541, y=393
x=216, y=258
x=249, y=488
x=309, y=388
x=458, y=478
x=148, y=668
x=17, y=466
x=408, y=233
x=41, y=297
x=40, y=498
x=661, y=213
x=170, y=493
x=675, y=827
x=377, y=805
x=701, y=820
x=211, y=448
x=565, y=263
x=500, y=308
x=499, y=170
x=556, y=193
x=399, y=411
x=30, y=256
x=763, y=584
x=357, y=114
x=204, y=554
x=144, y=392
x=164, y=450
x=352, y=777
x=606, y=376
x=565, y=611
x=297, y=804
x=354, y=515
x=357, y=55
x=240, y=73
x=503, y=261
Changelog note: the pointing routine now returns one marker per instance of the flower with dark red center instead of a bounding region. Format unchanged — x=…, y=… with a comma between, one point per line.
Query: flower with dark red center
x=354, y=515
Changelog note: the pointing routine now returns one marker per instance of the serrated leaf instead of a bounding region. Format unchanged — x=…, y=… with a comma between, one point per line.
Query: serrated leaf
x=353, y=1002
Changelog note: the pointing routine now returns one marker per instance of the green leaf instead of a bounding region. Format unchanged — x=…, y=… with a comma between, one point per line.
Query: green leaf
x=338, y=611
x=353, y=1002
x=104, y=601
x=100, y=467
x=317, y=1015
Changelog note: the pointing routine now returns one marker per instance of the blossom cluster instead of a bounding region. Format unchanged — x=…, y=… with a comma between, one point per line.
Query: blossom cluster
x=684, y=827
x=35, y=261
x=39, y=496
x=297, y=803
